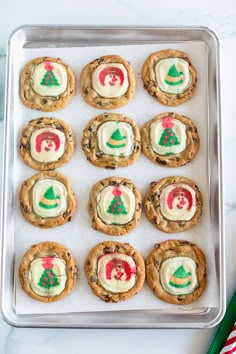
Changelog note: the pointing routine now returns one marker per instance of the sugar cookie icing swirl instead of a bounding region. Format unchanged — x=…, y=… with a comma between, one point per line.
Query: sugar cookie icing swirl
x=115, y=138
x=49, y=198
x=49, y=79
x=178, y=202
x=178, y=275
x=47, y=276
x=173, y=75
x=116, y=272
x=47, y=144
x=116, y=205
x=110, y=80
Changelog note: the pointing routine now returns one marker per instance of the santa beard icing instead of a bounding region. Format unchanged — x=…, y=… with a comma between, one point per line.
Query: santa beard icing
x=178, y=202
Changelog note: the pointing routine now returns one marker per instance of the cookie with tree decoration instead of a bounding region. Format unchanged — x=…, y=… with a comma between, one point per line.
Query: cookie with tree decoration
x=115, y=271
x=46, y=84
x=107, y=82
x=176, y=271
x=48, y=272
x=173, y=204
x=169, y=76
x=46, y=143
x=47, y=199
x=111, y=140
x=170, y=140
x=115, y=206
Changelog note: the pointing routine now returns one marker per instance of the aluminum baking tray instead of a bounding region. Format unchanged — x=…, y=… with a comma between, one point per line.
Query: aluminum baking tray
x=46, y=38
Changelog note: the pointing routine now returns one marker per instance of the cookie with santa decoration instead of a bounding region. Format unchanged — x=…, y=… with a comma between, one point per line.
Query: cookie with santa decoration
x=48, y=272
x=170, y=140
x=115, y=271
x=169, y=76
x=173, y=204
x=115, y=206
x=107, y=82
x=46, y=84
x=176, y=271
x=111, y=140
x=46, y=143
x=47, y=199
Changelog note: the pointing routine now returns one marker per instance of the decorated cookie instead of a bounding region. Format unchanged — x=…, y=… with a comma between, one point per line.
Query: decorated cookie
x=176, y=271
x=170, y=140
x=46, y=143
x=115, y=206
x=115, y=271
x=169, y=76
x=173, y=204
x=111, y=140
x=46, y=84
x=107, y=82
x=47, y=199
x=48, y=272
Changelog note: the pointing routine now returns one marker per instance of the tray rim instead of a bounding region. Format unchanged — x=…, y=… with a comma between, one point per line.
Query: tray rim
x=21, y=320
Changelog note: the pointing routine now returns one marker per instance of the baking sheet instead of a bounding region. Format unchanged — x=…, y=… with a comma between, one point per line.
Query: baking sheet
x=78, y=235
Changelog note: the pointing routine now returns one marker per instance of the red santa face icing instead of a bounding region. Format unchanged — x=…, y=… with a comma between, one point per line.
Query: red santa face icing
x=110, y=80
x=178, y=202
x=47, y=144
x=117, y=272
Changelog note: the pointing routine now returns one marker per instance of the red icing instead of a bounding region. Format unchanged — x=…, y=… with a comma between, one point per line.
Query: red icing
x=181, y=194
x=114, y=73
x=47, y=263
x=167, y=122
x=121, y=268
x=50, y=138
x=48, y=66
x=116, y=191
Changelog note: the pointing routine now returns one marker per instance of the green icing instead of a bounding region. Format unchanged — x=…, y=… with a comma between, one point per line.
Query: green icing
x=173, y=72
x=168, y=138
x=180, y=286
x=181, y=273
x=49, y=79
x=50, y=195
x=116, y=135
x=117, y=206
x=48, y=279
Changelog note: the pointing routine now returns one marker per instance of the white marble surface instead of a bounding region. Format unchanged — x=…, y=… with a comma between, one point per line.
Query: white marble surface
x=219, y=16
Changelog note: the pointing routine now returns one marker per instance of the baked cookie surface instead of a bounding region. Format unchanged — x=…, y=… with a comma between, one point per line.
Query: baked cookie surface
x=176, y=271
x=169, y=76
x=115, y=271
x=46, y=84
x=47, y=199
x=173, y=204
x=111, y=140
x=107, y=82
x=170, y=140
x=48, y=272
x=115, y=206
x=46, y=143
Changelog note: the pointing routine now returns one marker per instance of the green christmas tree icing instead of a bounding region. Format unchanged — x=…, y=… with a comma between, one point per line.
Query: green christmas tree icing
x=117, y=205
x=49, y=78
x=173, y=72
x=49, y=196
x=181, y=274
x=48, y=279
x=168, y=138
x=115, y=140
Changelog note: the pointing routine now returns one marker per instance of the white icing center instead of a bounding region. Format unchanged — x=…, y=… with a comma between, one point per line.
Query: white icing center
x=168, y=139
x=37, y=272
x=47, y=144
x=116, y=209
x=49, y=198
x=110, y=80
x=178, y=202
x=173, y=75
x=115, y=138
x=116, y=272
x=49, y=82
x=178, y=275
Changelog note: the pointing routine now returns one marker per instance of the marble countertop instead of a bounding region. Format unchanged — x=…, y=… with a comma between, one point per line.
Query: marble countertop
x=220, y=16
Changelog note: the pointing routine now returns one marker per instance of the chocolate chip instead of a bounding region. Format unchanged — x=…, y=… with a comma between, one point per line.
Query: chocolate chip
x=106, y=250
x=44, y=101
x=181, y=297
x=117, y=248
x=92, y=128
x=158, y=160
x=151, y=198
x=68, y=255
x=26, y=209
x=65, y=214
x=93, y=278
x=182, y=223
